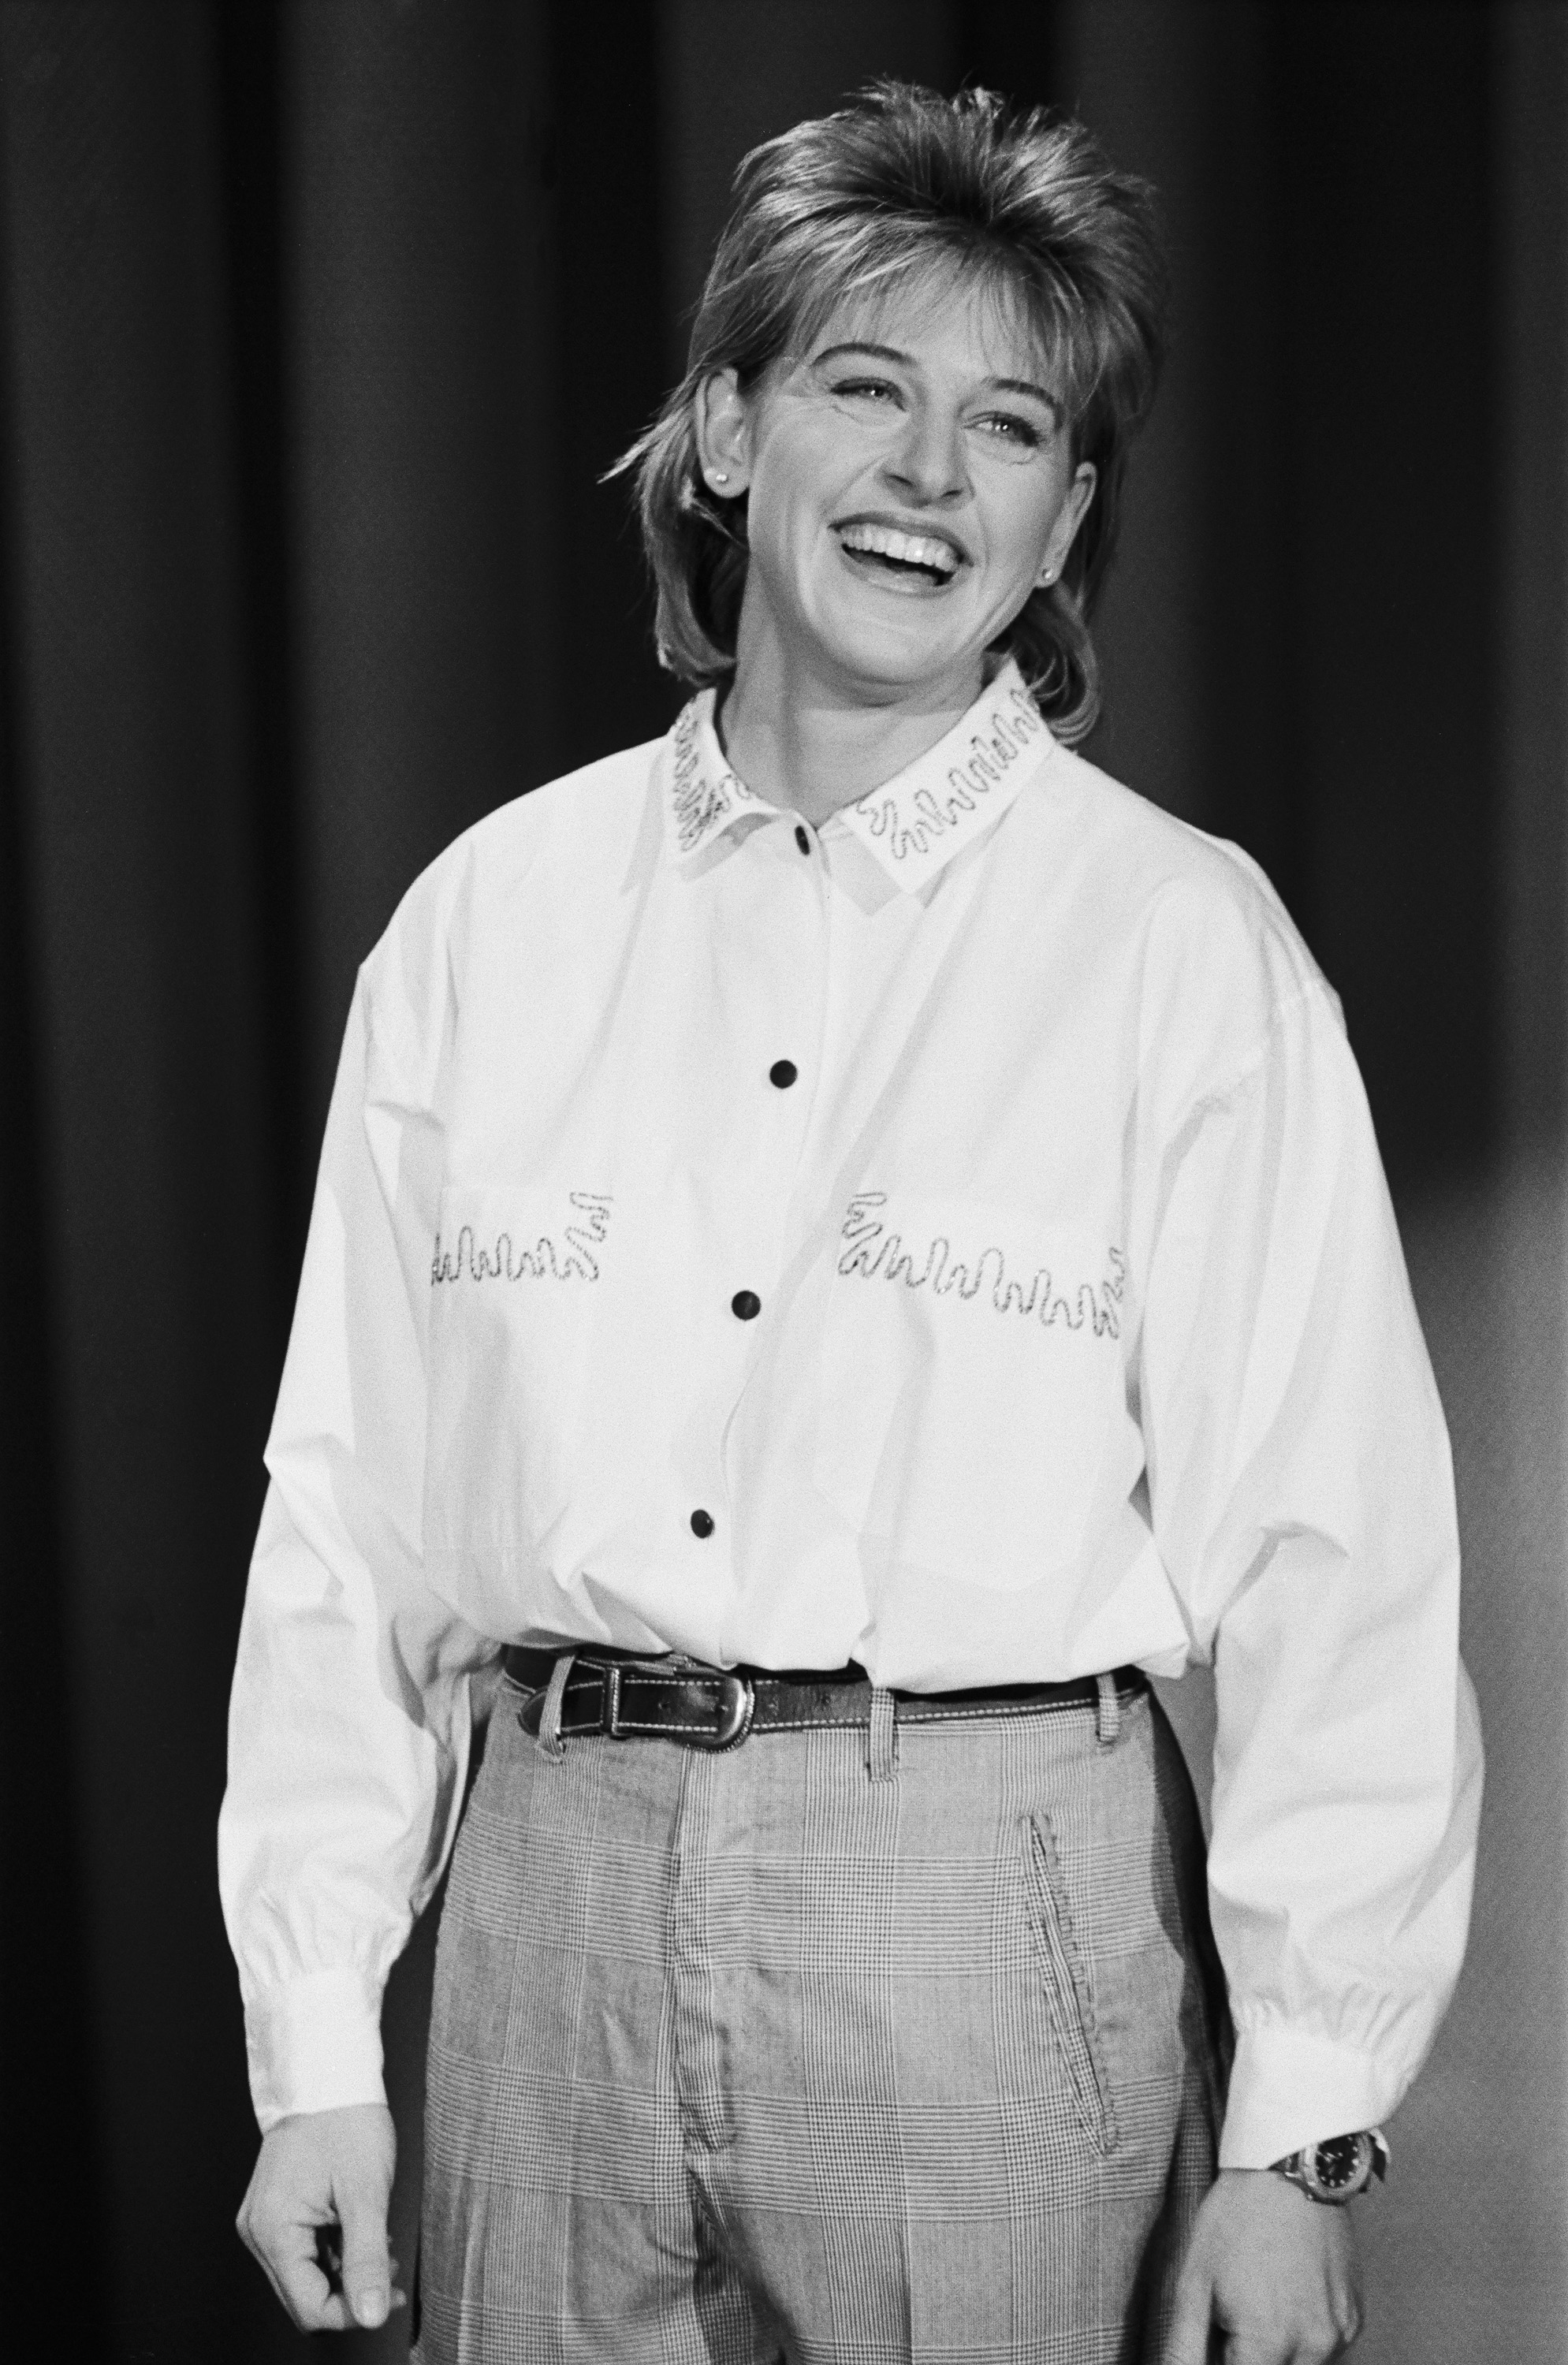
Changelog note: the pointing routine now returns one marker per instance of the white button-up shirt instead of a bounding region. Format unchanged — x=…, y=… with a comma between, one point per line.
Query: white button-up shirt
x=953, y=1240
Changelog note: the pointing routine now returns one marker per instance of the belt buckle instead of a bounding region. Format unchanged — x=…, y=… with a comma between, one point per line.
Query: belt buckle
x=737, y=1700
x=736, y=1704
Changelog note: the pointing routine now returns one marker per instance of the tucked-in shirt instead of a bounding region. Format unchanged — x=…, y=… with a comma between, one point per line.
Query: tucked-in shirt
x=953, y=1240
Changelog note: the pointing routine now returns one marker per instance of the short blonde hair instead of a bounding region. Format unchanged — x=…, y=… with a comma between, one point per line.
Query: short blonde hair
x=905, y=183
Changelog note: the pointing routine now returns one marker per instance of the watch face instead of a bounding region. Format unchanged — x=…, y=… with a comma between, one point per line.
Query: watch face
x=1341, y=2165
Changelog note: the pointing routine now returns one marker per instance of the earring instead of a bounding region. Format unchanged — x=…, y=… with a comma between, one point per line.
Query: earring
x=718, y=476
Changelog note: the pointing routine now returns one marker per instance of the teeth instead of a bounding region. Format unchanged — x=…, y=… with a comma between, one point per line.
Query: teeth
x=912, y=549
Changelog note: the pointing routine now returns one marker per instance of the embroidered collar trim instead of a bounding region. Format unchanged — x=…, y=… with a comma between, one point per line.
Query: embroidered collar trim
x=705, y=795
x=915, y=824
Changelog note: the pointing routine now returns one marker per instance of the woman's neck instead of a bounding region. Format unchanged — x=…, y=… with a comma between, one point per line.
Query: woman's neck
x=815, y=746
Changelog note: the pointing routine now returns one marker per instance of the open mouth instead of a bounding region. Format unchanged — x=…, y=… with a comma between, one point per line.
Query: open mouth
x=909, y=558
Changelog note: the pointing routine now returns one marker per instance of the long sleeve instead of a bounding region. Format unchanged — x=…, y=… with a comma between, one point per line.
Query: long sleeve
x=349, y=1719
x=1302, y=1498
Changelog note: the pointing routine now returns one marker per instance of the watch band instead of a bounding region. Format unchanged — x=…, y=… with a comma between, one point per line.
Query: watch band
x=1336, y=2170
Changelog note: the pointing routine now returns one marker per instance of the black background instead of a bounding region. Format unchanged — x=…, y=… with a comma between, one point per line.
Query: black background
x=320, y=323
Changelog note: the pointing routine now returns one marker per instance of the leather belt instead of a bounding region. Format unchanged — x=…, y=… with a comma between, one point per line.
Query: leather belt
x=629, y=1698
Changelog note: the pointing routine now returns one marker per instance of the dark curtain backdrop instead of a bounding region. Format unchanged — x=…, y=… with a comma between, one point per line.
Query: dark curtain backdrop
x=319, y=325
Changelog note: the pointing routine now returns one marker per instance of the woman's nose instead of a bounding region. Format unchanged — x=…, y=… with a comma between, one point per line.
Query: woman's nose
x=927, y=462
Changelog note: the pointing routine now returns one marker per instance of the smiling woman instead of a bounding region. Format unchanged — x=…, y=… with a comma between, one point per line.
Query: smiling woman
x=911, y=491
x=980, y=289
x=845, y=1241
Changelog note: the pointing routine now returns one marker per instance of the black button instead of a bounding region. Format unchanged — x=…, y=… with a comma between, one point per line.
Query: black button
x=746, y=1303
x=783, y=1073
x=802, y=840
x=701, y=1523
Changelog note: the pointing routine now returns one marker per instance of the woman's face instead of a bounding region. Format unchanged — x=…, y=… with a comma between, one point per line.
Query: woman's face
x=911, y=481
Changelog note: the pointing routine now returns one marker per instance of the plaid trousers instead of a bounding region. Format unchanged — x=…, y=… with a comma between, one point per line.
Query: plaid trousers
x=751, y=2057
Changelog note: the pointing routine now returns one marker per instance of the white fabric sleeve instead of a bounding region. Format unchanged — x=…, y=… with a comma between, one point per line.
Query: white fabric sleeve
x=349, y=1724
x=1301, y=1496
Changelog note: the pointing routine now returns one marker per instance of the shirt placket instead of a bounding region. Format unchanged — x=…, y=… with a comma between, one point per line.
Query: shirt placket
x=775, y=1050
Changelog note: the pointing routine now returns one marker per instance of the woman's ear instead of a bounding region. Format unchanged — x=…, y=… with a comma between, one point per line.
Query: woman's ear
x=724, y=435
x=1070, y=517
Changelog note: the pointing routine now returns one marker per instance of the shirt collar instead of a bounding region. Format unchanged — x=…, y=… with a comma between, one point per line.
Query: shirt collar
x=912, y=825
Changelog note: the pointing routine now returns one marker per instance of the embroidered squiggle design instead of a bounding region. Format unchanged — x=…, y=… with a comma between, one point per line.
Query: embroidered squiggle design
x=699, y=802
x=545, y=1260
x=873, y=1252
x=1009, y=727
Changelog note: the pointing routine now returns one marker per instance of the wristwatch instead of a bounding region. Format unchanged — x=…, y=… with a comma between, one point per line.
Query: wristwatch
x=1337, y=2170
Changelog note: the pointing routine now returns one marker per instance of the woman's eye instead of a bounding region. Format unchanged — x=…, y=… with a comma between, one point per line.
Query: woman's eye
x=1008, y=429
x=868, y=390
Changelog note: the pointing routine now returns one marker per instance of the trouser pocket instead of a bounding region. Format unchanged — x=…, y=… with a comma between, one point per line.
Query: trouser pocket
x=1070, y=1998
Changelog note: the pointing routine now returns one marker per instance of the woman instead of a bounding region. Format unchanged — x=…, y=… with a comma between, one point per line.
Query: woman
x=844, y=1238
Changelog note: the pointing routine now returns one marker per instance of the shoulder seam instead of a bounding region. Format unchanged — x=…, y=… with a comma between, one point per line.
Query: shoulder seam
x=1310, y=990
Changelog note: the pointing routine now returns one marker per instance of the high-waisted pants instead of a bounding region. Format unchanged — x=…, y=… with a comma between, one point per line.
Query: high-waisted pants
x=784, y=2054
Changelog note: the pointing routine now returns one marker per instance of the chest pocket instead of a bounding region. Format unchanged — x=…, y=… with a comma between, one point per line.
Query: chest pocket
x=517, y=1277
x=972, y=1389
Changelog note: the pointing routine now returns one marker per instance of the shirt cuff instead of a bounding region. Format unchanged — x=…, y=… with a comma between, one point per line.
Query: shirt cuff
x=314, y=2045
x=1289, y=2089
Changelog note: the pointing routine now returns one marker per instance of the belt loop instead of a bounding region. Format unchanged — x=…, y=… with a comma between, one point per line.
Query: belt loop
x=1108, y=1715
x=883, y=1747
x=549, y=1744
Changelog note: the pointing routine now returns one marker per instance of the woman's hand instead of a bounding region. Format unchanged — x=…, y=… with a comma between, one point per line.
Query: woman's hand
x=325, y=2168
x=1276, y=2271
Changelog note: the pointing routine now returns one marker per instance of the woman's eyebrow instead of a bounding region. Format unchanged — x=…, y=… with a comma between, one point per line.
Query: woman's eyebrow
x=1026, y=386
x=878, y=353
